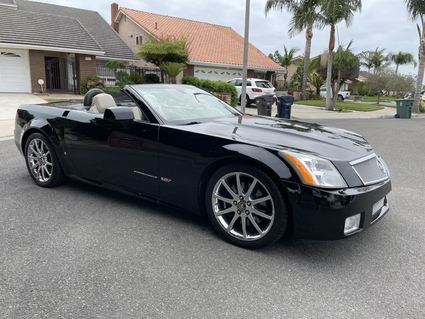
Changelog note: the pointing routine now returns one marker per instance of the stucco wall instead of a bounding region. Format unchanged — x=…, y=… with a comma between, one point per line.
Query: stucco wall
x=128, y=31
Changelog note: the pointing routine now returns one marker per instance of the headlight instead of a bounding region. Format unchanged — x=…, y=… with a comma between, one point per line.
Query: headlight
x=315, y=171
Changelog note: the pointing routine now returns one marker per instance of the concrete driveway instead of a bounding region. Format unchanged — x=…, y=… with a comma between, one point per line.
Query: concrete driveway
x=9, y=102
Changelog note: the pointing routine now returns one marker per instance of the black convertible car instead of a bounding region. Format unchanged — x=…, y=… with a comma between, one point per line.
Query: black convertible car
x=256, y=178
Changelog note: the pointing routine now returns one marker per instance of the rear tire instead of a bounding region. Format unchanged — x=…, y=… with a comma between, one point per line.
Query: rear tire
x=245, y=206
x=340, y=98
x=248, y=101
x=42, y=162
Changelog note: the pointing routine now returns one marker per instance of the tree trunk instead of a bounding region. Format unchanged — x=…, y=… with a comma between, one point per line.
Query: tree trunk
x=396, y=68
x=336, y=88
x=329, y=100
x=307, y=53
x=421, y=71
x=285, y=78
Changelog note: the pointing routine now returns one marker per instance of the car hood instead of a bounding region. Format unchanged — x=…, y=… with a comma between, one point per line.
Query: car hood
x=327, y=142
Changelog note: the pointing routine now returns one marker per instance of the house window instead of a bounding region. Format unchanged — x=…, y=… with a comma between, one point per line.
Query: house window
x=139, y=40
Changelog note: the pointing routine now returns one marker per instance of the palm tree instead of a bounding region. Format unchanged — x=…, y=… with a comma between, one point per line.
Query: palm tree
x=378, y=59
x=305, y=16
x=416, y=9
x=333, y=12
x=172, y=69
x=366, y=60
x=287, y=60
x=402, y=58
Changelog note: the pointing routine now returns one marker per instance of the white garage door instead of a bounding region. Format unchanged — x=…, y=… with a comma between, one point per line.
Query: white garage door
x=14, y=71
x=217, y=73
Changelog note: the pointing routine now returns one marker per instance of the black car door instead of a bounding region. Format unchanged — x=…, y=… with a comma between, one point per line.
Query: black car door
x=114, y=152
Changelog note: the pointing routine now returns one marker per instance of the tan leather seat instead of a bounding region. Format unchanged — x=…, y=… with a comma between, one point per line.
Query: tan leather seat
x=101, y=102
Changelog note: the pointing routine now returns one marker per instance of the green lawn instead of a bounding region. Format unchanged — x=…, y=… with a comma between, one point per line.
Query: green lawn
x=374, y=99
x=345, y=106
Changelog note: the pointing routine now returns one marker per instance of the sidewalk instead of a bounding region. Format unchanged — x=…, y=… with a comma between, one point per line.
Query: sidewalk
x=307, y=113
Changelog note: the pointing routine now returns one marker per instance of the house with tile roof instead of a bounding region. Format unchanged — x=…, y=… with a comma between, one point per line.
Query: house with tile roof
x=215, y=51
x=54, y=45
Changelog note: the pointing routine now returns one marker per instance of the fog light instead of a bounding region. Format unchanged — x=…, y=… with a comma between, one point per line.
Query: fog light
x=352, y=224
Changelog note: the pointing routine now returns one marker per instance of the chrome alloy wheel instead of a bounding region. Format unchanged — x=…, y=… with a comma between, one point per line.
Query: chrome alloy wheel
x=243, y=206
x=40, y=160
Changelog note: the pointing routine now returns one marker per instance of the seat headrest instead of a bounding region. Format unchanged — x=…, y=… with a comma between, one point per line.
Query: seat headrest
x=103, y=101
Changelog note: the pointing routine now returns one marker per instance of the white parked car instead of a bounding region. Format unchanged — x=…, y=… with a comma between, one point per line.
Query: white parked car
x=342, y=95
x=254, y=88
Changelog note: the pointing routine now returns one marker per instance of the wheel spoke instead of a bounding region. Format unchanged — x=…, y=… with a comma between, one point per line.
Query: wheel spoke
x=251, y=188
x=227, y=187
x=37, y=146
x=225, y=211
x=47, y=171
x=224, y=199
x=238, y=184
x=254, y=223
x=260, y=200
x=232, y=223
x=33, y=150
x=34, y=164
x=261, y=214
x=244, y=232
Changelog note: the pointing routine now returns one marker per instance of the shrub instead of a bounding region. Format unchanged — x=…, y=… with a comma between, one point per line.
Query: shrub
x=213, y=86
x=151, y=78
x=362, y=89
x=124, y=78
x=90, y=82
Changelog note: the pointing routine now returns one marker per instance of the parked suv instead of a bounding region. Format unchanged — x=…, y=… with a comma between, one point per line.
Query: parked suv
x=254, y=88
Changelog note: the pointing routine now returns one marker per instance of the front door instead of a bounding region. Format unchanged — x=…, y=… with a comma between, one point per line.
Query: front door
x=53, y=77
x=113, y=152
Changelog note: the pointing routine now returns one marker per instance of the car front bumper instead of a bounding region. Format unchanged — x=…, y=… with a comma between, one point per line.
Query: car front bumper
x=321, y=214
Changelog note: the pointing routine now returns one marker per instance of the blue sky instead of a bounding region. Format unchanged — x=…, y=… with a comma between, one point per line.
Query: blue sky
x=382, y=23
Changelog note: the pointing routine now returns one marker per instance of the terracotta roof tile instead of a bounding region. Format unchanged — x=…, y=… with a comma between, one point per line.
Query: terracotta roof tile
x=208, y=43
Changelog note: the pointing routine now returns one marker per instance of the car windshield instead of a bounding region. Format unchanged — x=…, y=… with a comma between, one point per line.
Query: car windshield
x=183, y=104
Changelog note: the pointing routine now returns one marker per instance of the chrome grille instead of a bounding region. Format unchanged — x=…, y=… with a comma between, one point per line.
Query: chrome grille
x=370, y=169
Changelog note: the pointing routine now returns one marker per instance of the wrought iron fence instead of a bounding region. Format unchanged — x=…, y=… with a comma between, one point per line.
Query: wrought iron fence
x=108, y=75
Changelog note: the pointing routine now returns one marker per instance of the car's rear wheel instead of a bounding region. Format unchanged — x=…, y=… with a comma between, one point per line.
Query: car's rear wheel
x=42, y=162
x=340, y=98
x=245, y=206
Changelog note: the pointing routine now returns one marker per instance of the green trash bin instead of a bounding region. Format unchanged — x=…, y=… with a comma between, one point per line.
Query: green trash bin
x=404, y=109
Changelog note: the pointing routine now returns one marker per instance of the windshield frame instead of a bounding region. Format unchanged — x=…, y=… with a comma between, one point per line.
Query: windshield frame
x=161, y=119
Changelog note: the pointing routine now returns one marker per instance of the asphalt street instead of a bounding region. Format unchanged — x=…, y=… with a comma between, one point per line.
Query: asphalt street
x=77, y=251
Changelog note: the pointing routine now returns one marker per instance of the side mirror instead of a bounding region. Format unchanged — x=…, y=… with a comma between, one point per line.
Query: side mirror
x=119, y=114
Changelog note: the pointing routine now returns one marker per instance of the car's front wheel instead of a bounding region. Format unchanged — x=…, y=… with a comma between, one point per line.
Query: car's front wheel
x=42, y=162
x=245, y=206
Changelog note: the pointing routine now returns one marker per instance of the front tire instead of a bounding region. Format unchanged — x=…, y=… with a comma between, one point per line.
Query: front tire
x=42, y=162
x=245, y=207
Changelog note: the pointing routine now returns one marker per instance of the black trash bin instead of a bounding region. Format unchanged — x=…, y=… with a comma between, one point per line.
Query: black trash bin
x=284, y=105
x=264, y=104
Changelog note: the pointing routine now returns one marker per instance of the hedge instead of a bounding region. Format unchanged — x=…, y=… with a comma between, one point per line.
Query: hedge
x=213, y=86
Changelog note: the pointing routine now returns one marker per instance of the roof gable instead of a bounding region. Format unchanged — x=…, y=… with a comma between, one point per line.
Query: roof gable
x=208, y=43
x=54, y=26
